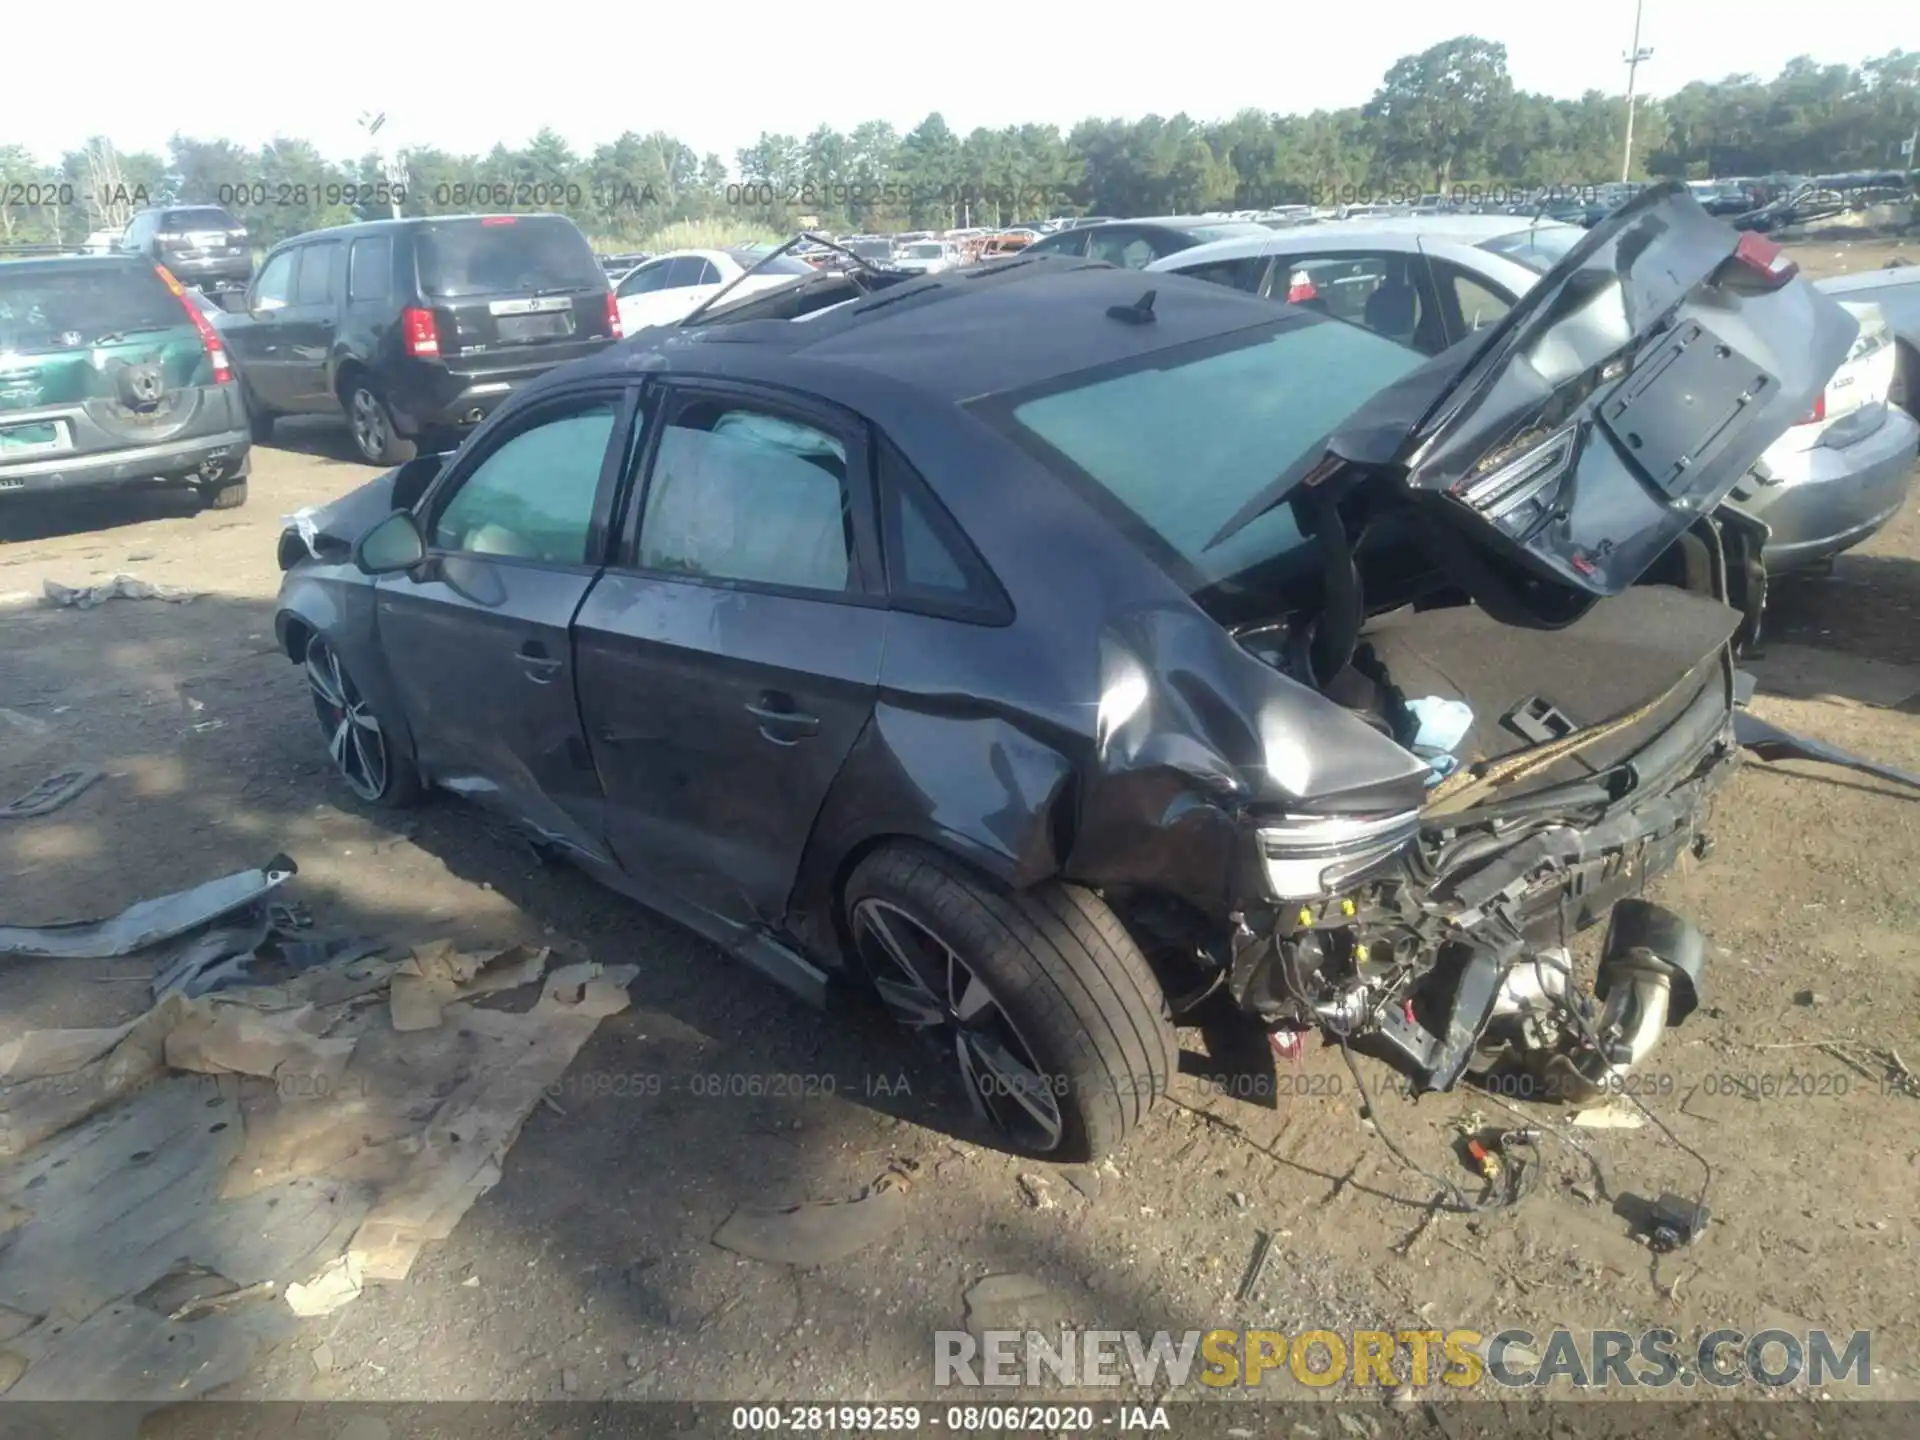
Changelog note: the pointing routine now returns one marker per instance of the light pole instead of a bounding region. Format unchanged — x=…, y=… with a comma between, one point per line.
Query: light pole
x=1633, y=57
x=393, y=170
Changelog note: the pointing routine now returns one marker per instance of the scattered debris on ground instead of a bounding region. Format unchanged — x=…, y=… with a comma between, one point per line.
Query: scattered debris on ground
x=276, y=1137
x=51, y=793
x=148, y=922
x=121, y=587
x=819, y=1232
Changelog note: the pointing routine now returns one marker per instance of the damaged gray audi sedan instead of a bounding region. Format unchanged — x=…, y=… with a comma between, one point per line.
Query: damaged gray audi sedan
x=1050, y=647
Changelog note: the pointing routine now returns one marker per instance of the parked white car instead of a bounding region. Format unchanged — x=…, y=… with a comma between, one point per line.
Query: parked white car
x=929, y=257
x=670, y=287
x=1430, y=282
x=1896, y=291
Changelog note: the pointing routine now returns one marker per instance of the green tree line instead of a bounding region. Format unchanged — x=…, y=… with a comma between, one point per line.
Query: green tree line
x=1446, y=120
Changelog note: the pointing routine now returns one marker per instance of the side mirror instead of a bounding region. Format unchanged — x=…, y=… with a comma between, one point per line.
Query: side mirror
x=392, y=546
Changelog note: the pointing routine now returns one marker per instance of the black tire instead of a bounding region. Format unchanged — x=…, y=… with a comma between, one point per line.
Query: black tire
x=351, y=728
x=1064, y=981
x=229, y=496
x=370, y=424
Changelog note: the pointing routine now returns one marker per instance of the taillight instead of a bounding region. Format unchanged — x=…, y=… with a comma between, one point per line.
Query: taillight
x=1757, y=259
x=613, y=318
x=1300, y=289
x=209, y=337
x=498, y=220
x=1818, y=413
x=419, y=335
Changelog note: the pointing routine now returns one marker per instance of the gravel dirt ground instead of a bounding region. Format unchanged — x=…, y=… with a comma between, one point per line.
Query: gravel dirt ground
x=589, y=1271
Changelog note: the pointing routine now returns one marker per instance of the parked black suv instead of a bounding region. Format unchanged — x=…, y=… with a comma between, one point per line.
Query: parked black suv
x=416, y=328
x=202, y=245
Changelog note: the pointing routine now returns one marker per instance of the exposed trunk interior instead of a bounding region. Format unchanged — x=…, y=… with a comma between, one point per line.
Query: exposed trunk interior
x=1650, y=649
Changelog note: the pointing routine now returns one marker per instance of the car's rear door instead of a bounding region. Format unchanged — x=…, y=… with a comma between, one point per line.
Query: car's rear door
x=728, y=660
x=479, y=649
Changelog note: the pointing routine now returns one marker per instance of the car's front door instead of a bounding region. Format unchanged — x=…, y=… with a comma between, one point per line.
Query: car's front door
x=479, y=645
x=256, y=337
x=728, y=659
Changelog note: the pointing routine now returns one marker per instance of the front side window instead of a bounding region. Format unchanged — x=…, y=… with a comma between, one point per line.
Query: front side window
x=274, y=289
x=1181, y=445
x=532, y=498
x=738, y=494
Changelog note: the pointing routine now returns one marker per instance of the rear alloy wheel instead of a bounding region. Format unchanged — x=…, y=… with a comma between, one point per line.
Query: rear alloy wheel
x=371, y=423
x=357, y=742
x=1044, y=1005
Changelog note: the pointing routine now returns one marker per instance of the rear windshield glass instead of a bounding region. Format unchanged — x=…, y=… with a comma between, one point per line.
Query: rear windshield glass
x=66, y=309
x=1539, y=249
x=203, y=219
x=510, y=253
x=1183, y=445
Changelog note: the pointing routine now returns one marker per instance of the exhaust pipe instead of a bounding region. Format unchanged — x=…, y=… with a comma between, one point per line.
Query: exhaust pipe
x=476, y=415
x=1648, y=980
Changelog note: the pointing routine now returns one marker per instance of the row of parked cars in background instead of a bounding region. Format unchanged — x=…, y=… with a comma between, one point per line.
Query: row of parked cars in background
x=416, y=329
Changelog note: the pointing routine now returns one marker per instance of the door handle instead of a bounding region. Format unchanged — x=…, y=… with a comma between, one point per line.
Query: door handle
x=783, y=725
x=539, y=666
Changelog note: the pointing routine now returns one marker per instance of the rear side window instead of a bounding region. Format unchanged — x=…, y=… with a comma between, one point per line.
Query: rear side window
x=737, y=494
x=505, y=254
x=930, y=564
x=690, y=270
x=70, y=308
x=316, y=274
x=370, y=268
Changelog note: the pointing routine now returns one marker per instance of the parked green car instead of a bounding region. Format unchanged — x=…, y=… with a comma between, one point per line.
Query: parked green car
x=110, y=375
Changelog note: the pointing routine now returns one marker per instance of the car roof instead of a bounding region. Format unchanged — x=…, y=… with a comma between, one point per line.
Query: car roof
x=945, y=335
x=1395, y=233
x=409, y=222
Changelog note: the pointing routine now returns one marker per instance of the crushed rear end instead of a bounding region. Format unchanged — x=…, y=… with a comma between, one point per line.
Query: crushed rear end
x=1529, y=588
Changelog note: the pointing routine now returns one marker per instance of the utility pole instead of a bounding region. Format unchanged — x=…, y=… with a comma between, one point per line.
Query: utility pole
x=1634, y=58
x=393, y=165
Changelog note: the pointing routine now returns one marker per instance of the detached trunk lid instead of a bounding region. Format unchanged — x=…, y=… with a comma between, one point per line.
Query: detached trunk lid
x=1623, y=397
x=513, y=289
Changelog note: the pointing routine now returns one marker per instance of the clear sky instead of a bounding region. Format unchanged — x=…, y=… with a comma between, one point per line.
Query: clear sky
x=717, y=74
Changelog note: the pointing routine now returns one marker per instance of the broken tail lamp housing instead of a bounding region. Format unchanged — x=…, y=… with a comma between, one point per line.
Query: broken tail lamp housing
x=1308, y=857
x=1514, y=494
